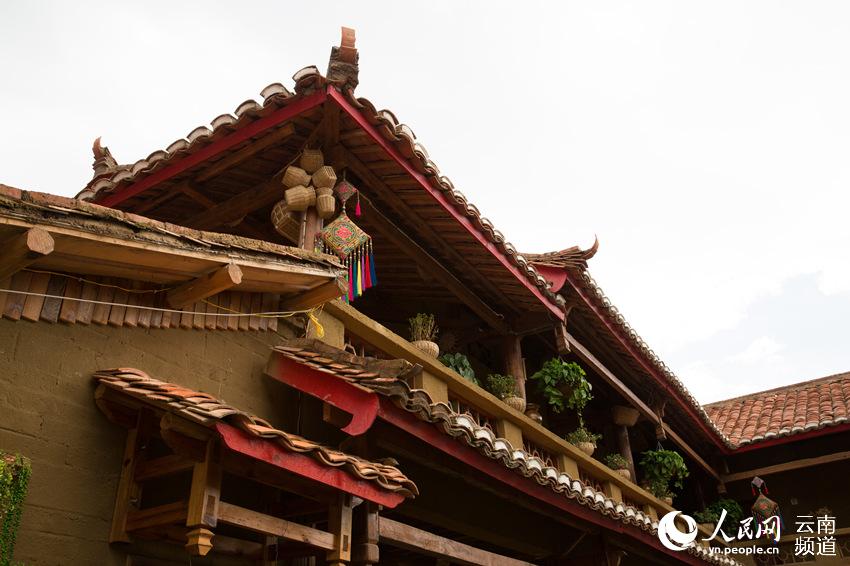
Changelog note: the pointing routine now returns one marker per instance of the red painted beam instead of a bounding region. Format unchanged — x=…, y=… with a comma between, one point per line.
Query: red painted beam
x=799, y=437
x=555, y=275
x=428, y=433
x=304, y=465
x=361, y=403
x=624, y=340
x=439, y=197
x=242, y=134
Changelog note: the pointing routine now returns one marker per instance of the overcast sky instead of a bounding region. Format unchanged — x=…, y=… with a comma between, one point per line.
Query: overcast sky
x=705, y=143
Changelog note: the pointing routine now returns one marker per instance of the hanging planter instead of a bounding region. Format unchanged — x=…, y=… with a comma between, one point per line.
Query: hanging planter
x=423, y=332
x=584, y=440
x=619, y=464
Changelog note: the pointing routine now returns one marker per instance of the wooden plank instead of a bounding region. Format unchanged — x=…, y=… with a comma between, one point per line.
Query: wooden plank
x=246, y=152
x=256, y=306
x=235, y=305
x=215, y=281
x=126, y=489
x=212, y=309
x=157, y=315
x=266, y=524
x=198, y=322
x=68, y=312
x=33, y=303
x=245, y=202
x=131, y=316
x=116, y=314
x=105, y=294
x=316, y=296
x=422, y=542
x=24, y=250
x=50, y=308
x=339, y=525
x=167, y=514
x=15, y=301
x=162, y=466
x=787, y=466
x=85, y=309
x=4, y=284
x=145, y=300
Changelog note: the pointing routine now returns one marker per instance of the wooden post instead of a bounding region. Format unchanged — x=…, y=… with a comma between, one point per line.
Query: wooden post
x=312, y=224
x=339, y=525
x=514, y=364
x=126, y=499
x=204, y=500
x=625, y=417
x=364, y=551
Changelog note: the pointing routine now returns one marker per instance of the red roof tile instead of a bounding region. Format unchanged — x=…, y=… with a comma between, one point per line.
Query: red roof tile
x=784, y=411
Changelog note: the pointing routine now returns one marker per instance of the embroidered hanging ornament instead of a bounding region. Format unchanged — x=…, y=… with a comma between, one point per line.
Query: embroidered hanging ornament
x=354, y=247
x=764, y=508
x=344, y=191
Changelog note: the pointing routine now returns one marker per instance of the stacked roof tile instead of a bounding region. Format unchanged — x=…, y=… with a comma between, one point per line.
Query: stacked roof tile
x=207, y=410
x=784, y=411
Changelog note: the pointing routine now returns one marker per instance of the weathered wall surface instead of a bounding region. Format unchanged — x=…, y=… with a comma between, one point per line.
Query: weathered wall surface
x=47, y=412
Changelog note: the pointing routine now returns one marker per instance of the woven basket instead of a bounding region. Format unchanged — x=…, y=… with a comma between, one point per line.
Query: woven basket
x=294, y=176
x=325, y=206
x=324, y=191
x=324, y=177
x=300, y=198
x=285, y=223
x=312, y=160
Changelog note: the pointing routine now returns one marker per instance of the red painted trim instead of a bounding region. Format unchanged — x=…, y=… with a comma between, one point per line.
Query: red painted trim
x=555, y=275
x=362, y=404
x=242, y=134
x=304, y=465
x=427, y=432
x=792, y=438
x=617, y=332
x=438, y=196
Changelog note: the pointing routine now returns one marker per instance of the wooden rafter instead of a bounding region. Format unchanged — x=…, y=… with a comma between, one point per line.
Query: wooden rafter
x=25, y=249
x=218, y=280
x=316, y=296
x=390, y=231
x=245, y=153
x=788, y=466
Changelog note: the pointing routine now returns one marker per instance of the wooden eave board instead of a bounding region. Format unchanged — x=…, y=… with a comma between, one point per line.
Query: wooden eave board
x=85, y=253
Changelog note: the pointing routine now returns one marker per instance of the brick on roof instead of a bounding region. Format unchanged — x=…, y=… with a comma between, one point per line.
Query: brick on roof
x=784, y=411
x=206, y=410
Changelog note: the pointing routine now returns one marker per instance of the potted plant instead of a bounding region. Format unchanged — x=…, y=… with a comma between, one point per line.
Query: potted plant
x=460, y=364
x=706, y=518
x=584, y=440
x=709, y=516
x=619, y=464
x=532, y=411
x=662, y=471
x=423, y=331
x=502, y=386
x=564, y=385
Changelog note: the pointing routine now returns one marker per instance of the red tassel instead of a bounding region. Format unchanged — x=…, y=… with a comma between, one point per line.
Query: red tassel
x=357, y=208
x=765, y=490
x=367, y=278
x=753, y=490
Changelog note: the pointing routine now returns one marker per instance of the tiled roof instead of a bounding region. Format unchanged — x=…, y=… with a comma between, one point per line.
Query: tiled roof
x=463, y=428
x=206, y=410
x=573, y=257
x=275, y=97
x=785, y=411
x=54, y=210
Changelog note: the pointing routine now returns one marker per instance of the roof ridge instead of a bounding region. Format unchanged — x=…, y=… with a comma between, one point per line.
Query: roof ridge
x=834, y=377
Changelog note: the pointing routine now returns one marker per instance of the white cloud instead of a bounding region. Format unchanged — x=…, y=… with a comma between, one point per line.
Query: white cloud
x=761, y=350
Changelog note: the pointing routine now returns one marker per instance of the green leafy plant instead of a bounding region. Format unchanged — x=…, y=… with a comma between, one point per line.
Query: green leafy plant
x=663, y=470
x=734, y=512
x=705, y=516
x=581, y=434
x=502, y=386
x=557, y=376
x=616, y=462
x=459, y=363
x=15, y=474
x=423, y=327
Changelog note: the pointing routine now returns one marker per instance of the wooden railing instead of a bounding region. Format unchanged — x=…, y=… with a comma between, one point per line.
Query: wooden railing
x=446, y=385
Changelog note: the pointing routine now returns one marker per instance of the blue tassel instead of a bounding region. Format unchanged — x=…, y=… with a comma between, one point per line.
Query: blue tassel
x=372, y=275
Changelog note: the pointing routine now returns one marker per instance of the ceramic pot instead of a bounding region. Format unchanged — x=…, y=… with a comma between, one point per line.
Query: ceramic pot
x=668, y=499
x=532, y=411
x=586, y=447
x=625, y=473
x=428, y=347
x=515, y=402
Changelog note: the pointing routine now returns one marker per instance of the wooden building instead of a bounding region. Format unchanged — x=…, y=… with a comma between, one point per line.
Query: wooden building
x=339, y=442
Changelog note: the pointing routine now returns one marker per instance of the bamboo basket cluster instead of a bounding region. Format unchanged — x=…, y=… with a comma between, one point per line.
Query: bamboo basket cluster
x=310, y=184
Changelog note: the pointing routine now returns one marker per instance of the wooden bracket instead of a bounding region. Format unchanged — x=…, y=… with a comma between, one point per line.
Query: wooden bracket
x=204, y=500
x=216, y=281
x=316, y=296
x=339, y=525
x=25, y=249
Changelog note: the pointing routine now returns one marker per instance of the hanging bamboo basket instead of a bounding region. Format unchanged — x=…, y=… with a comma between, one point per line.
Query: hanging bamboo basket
x=325, y=205
x=312, y=160
x=300, y=198
x=294, y=176
x=324, y=191
x=324, y=177
x=285, y=223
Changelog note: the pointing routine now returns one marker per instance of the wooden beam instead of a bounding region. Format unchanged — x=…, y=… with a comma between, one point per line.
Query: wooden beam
x=429, y=544
x=167, y=514
x=23, y=250
x=466, y=295
x=245, y=153
x=212, y=283
x=127, y=488
x=162, y=466
x=420, y=225
x=229, y=514
x=787, y=466
x=339, y=525
x=238, y=206
x=204, y=499
x=316, y=296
